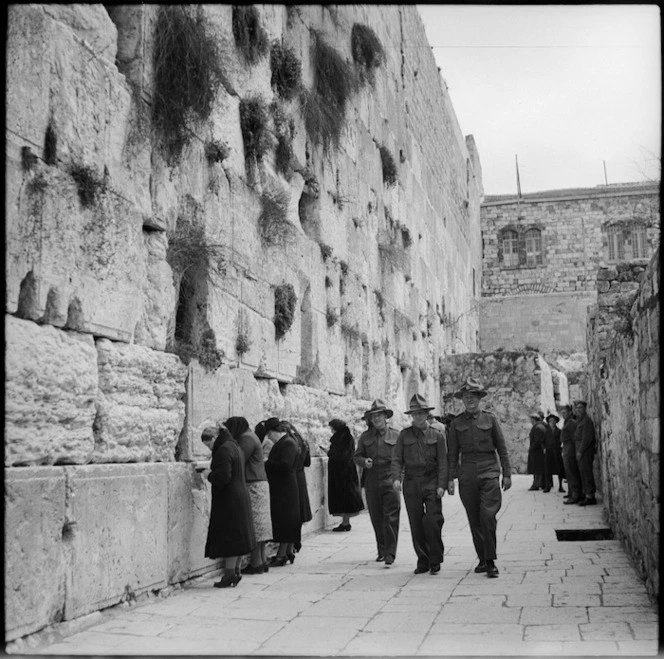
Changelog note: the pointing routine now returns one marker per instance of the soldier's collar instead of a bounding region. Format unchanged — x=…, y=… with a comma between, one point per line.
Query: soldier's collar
x=474, y=415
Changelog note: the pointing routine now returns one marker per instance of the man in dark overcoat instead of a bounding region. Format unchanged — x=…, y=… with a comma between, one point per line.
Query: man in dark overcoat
x=475, y=436
x=420, y=462
x=537, y=440
x=374, y=454
x=572, y=474
x=584, y=443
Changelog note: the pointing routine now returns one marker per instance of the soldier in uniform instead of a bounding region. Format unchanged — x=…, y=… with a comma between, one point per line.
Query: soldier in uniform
x=476, y=437
x=569, y=456
x=374, y=454
x=420, y=462
x=584, y=443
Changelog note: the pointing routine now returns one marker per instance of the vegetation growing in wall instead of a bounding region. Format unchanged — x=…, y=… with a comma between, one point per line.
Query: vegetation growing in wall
x=88, y=183
x=216, y=151
x=50, y=144
x=242, y=344
x=331, y=316
x=334, y=82
x=254, y=126
x=367, y=51
x=328, y=281
x=325, y=251
x=273, y=225
x=284, y=129
x=405, y=237
x=389, y=167
x=187, y=74
x=349, y=378
x=286, y=71
x=250, y=37
x=344, y=268
x=285, y=301
x=28, y=159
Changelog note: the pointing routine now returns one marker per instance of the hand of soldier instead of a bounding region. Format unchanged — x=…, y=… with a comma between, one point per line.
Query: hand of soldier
x=507, y=483
x=397, y=486
x=450, y=488
x=440, y=492
x=368, y=463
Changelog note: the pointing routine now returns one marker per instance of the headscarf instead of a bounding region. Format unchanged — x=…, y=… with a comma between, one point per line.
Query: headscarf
x=237, y=425
x=337, y=425
x=260, y=430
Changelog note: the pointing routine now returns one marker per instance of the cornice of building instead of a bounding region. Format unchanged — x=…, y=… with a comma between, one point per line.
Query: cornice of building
x=570, y=194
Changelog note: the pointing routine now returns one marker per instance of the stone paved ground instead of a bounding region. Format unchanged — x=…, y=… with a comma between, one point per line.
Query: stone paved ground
x=580, y=598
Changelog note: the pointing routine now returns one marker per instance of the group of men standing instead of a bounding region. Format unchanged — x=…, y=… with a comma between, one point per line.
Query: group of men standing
x=423, y=464
x=574, y=442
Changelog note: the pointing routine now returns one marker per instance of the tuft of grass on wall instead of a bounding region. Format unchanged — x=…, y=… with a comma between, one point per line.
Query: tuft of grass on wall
x=250, y=37
x=254, y=120
x=349, y=378
x=335, y=81
x=216, y=151
x=88, y=183
x=325, y=251
x=286, y=71
x=284, y=129
x=331, y=316
x=367, y=51
x=285, y=302
x=273, y=225
x=28, y=159
x=389, y=167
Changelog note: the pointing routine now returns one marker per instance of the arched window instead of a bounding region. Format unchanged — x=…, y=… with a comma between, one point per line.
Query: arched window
x=616, y=242
x=533, y=247
x=639, y=242
x=510, y=248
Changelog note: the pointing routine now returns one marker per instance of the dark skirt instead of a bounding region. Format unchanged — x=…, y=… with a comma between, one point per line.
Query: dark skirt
x=343, y=488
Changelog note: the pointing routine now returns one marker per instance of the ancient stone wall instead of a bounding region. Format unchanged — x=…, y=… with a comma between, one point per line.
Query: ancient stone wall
x=516, y=385
x=145, y=267
x=623, y=392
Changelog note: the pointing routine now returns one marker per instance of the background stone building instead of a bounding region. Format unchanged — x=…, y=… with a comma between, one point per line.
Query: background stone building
x=541, y=255
x=210, y=210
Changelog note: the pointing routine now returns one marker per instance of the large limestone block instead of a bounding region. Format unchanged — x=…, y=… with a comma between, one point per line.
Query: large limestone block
x=50, y=389
x=119, y=515
x=188, y=517
x=140, y=409
x=159, y=297
x=35, y=558
x=85, y=263
x=212, y=397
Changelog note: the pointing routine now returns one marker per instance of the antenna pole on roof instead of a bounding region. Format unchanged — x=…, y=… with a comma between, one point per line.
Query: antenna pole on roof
x=606, y=181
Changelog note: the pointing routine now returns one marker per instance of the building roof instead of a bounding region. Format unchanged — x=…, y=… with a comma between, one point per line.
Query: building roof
x=639, y=187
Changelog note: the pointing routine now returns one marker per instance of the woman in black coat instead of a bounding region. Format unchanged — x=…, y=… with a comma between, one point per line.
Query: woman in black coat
x=553, y=456
x=537, y=439
x=344, y=497
x=284, y=493
x=231, y=530
x=303, y=460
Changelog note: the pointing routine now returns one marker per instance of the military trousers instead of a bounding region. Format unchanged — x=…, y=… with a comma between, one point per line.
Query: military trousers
x=384, y=506
x=425, y=515
x=482, y=498
x=571, y=471
x=585, y=461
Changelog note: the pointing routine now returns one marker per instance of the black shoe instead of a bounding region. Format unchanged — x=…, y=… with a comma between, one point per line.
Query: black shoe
x=572, y=500
x=491, y=571
x=481, y=567
x=291, y=558
x=533, y=488
x=421, y=570
x=228, y=581
x=561, y=488
x=250, y=569
x=266, y=567
x=435, y=568
x=278, y=561
x=342, y=527
x=380, y=558
x=588, y=502
x=546, y=489
x=389, y=560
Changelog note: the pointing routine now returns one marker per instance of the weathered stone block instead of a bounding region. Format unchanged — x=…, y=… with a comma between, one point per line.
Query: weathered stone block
x=120, y=515
x=188, y=517
x=140, y=410
x=35, y=555
x=50, y=391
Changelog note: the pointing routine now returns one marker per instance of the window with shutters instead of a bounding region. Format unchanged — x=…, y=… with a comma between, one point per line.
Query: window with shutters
x=534, y=247
x=510, y=248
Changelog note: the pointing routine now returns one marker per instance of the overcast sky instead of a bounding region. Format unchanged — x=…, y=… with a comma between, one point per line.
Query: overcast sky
x=563, y=87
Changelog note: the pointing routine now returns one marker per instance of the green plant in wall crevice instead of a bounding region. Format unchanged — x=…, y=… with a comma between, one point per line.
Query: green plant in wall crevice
x=274, y=228
x=286, y=70
x=285, y=302
x=250, y=37
x=367, y=51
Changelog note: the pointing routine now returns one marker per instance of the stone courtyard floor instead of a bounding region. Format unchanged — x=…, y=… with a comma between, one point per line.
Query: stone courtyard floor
x=553, y=598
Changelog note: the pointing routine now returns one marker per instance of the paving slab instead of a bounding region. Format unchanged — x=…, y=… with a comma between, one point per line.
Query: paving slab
x=552, y=598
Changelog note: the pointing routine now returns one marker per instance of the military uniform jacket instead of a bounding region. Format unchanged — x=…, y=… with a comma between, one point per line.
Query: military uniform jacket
x=377, y=446
x=476, y=438
x=584, y=435
x=568, y=430
x=420, y=453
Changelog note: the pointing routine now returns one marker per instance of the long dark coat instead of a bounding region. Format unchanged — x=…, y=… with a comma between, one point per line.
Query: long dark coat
x=343, y=484
x=536, y=449
x=304, y=460
x=284, y=492
x=553, y=452
x=231, y=527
